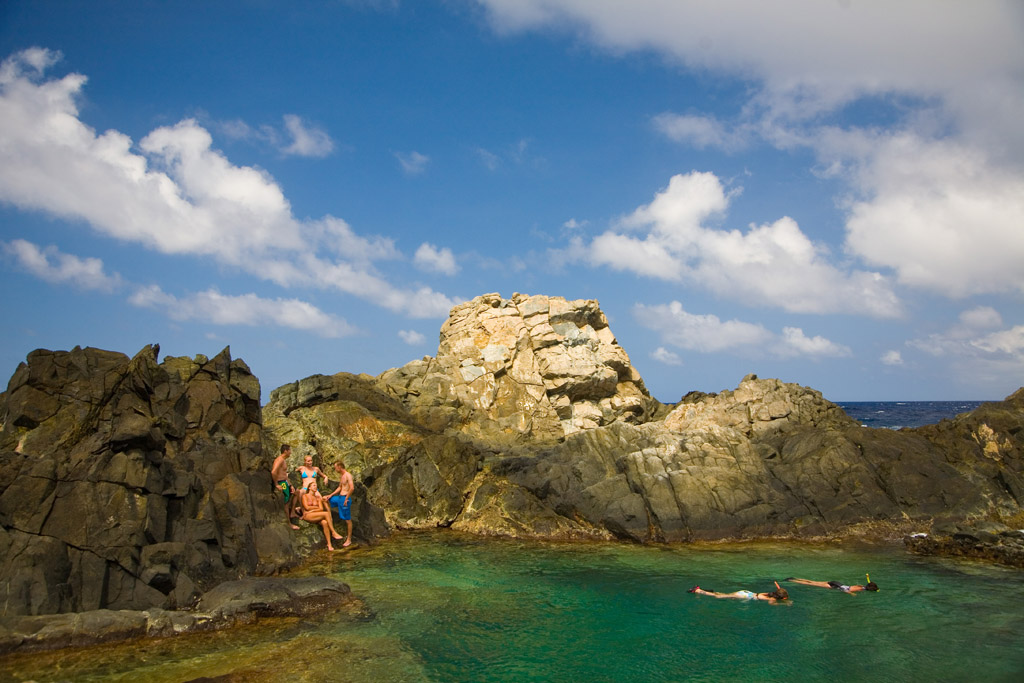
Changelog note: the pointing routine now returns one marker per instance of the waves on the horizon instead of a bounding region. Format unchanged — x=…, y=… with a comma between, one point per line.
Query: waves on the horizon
x=900, y=414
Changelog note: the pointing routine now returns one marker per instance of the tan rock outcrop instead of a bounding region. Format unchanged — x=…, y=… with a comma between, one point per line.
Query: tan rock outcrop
x=526, y=369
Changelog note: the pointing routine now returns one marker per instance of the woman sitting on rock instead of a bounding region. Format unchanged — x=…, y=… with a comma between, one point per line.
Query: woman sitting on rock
x=777, y=596
x=315, y=511
x=835, y=585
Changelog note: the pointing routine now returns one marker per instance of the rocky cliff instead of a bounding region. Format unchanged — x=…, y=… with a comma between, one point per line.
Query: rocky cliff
x=126, y=483
x=132, y=483
x=532, y=422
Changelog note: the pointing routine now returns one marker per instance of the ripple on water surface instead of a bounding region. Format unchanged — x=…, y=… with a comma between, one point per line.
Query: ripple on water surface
x=455, y=608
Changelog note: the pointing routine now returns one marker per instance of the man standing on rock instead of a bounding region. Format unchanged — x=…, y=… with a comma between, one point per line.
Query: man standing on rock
x=279, y=471
x=341, y=498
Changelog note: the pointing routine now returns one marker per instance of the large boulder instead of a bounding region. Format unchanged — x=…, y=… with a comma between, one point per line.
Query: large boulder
x=126, y=483
x=525, y=370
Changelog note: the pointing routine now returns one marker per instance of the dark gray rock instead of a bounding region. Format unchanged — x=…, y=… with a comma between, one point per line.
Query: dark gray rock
x=230, y=603
x=126, y=483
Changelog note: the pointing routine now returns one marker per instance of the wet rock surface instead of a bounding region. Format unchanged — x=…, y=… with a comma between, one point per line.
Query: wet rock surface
x=243, y=601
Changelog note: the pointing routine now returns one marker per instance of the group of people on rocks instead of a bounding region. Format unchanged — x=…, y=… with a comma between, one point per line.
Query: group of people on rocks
x=781, y=595
x=311, y=506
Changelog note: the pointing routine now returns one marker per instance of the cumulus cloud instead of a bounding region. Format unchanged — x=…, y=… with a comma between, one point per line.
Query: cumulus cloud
x=430, y=258
x=941, y=217
x=978, y=354
x=412, y=163
x=179, y=195
x=806, y=55
x=663, y=355
x=937, y=195
x=52, y=265
x=773, y=264
x=411, y=337
x=892, y=357
x=709, y=334
x=213, y=307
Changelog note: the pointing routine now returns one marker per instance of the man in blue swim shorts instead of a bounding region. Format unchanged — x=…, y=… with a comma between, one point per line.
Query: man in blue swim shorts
x=341, y=498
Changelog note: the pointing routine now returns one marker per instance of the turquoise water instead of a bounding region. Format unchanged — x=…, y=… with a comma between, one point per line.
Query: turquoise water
x=449, y=607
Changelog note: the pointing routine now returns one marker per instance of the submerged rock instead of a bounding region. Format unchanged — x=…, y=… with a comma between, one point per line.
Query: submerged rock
x=230, y=603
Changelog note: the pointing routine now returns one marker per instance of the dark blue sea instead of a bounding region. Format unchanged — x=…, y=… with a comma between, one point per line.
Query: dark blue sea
x=899, y=414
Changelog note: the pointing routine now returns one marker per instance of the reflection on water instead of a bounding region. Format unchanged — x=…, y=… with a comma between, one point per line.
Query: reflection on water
x=455, y=608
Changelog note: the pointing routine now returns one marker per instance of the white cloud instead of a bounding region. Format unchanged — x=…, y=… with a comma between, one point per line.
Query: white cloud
x=412, y=163
x=773, y=264
x=663, y=355
x=808, y=56
x=573, y=224
x=248, y=309
x=180, y=196
x=796, y=343
x=709, y=334
x=699, y=131
x=489, y=159
x=981, y=318
x=892, y=357
x=938, y=196
x=977, y=357
x=942, y=215
x=51, y=265
x=411, y=337
x=704, y=333
x=306, y=140
x=296, y=138
x=430, y=258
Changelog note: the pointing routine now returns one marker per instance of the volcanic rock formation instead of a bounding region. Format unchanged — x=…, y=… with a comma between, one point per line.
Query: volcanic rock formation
x=126, y=483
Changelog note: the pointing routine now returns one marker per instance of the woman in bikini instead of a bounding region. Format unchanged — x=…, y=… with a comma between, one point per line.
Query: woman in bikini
x=777, y=596
x=309, y=473
x=835, y=585
x=315, y=511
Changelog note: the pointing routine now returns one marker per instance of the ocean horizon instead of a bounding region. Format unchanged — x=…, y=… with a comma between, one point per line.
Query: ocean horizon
x=902, y=414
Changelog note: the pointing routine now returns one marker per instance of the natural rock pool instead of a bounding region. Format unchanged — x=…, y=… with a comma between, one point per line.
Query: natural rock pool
x=450, y=607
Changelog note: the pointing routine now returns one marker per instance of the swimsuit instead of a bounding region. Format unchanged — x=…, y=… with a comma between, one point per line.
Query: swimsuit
x=286, y=489
x=747, y=595
x=343, y=505
x=838, y=586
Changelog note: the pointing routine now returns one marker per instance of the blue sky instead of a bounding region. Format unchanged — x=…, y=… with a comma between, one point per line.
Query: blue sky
x=831, y=193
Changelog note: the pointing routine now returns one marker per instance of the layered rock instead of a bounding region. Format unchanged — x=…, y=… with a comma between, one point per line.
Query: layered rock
x=776, y=460
x=126, y=483
x=530, y=369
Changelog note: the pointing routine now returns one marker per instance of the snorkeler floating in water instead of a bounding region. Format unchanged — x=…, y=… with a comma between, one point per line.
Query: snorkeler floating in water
x=835, y=585
x=777, y=596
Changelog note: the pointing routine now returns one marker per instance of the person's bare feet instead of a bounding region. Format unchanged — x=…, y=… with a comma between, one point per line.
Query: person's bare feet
x=347, y=543
x=295, y=527
x=337, y=537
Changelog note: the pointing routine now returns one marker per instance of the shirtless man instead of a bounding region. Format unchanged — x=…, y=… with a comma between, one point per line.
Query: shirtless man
x=341, y=498
x=279, y=472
